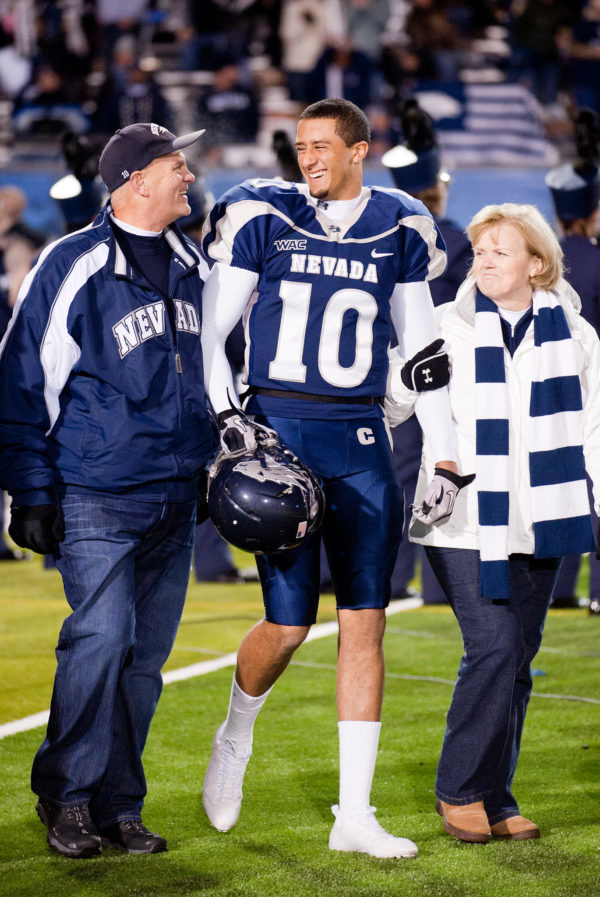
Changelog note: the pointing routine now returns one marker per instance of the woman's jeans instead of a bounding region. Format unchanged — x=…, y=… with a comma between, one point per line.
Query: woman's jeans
x=500, y=638
x=125, y=566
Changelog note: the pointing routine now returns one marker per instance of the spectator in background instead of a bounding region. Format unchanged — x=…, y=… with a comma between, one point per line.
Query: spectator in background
x=18, y=247
x=15, y=69
x=12, y=205
x=307, y=28
x=366, y=21
x=116, y=18
x=536, y=36
x=343, y=71
x=437, y=41
x=46, y=107
x=575, y=190
x=416, y=168
x=65, y=42
x=582, y=46
x=79, y=194
x=228, y=110
x=130, y=94
x=214, y=28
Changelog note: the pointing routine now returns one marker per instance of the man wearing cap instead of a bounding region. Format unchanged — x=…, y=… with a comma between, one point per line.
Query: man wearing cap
x=103, y=435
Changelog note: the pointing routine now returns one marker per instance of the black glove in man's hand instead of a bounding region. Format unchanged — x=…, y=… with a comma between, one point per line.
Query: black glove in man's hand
x=440, y=495
x=428, y=369
x=37, y=527
x=236, y=431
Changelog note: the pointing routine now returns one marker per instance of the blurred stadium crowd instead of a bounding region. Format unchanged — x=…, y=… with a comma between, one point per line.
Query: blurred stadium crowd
x=242, y=67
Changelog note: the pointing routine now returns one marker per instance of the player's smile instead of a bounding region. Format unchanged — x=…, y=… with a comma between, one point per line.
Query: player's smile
x=331, y=169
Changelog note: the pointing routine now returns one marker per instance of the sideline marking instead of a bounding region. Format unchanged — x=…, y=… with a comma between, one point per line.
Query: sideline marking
x=439, y=681
x=200, y=669
x=320, y=630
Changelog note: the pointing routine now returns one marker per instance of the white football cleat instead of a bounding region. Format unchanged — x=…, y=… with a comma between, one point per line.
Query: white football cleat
x=222, y=789
x=360, y=832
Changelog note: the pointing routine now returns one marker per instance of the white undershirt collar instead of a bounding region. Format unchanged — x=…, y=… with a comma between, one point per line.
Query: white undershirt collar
x=131, y=229
x=513, y=317
x=336, y=209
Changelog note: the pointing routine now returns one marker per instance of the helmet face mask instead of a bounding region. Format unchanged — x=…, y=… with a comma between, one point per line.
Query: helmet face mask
x=265, y=500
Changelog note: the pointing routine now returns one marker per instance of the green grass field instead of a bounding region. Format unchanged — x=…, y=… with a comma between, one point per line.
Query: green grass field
x=279, y=846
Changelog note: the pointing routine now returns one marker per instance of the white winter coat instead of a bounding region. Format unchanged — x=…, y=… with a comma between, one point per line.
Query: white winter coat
x=456, y=322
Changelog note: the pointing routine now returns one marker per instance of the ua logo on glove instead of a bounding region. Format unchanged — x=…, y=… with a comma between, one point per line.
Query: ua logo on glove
x=428, y=369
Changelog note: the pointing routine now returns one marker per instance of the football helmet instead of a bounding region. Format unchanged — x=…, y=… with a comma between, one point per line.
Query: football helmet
x=264, y=500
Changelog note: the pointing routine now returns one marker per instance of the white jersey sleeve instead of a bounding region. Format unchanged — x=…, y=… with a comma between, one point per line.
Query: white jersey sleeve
x=414, y=322
x=224, y=297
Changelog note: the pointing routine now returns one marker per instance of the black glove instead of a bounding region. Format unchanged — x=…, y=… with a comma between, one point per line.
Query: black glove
x=440, y=495
x=236, y=431
x=428, y=369
x=38, y=527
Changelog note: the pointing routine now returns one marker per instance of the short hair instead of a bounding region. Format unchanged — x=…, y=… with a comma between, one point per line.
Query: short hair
x=540, y=239
x=352, y=125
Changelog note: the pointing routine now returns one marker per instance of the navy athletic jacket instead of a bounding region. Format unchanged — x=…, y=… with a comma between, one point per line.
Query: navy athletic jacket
x=101, y=381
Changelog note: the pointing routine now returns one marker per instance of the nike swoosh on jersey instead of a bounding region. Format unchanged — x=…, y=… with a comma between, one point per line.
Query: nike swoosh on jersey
x=379, y=255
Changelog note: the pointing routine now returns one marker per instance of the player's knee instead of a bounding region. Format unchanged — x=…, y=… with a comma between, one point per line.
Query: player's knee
x=289, y=638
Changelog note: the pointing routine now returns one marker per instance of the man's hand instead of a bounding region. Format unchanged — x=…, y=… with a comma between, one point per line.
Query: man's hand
x=440, y=495
x=428, y=369
x=37, y=527
x=236, y=431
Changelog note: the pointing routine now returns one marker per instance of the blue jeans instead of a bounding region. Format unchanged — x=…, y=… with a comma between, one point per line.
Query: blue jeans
x=500, y=638
x=125, y=566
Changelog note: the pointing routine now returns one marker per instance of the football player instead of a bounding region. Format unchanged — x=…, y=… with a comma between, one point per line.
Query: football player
x=330, y=266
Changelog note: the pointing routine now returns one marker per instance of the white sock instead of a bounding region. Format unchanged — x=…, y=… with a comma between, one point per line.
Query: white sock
x=358, y=752
x=243, y=710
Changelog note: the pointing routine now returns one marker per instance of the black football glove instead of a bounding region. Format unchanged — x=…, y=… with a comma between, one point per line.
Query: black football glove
x=440, y=495
x=428, y=369
x=37, y=527
x=236, y=432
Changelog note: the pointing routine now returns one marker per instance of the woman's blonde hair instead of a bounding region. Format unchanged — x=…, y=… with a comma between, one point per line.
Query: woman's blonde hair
x=540, y=239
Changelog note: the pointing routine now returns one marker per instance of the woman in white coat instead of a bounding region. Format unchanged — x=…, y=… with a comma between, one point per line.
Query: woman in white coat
x=523, y=393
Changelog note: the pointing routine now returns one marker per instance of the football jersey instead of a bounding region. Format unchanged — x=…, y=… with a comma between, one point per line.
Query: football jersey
x=320, y=321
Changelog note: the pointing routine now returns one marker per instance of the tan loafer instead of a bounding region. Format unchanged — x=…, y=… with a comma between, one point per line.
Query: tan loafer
x=515, y=828
x=468, y=822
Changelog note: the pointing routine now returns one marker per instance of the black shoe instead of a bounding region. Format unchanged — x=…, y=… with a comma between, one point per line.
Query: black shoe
x=71, y=831
x=568, y=601
x=132, y=836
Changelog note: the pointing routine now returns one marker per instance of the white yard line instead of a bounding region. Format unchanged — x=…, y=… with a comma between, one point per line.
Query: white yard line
x=36, y=720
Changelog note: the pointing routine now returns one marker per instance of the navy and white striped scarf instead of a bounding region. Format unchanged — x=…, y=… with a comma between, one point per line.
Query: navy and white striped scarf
x=559, y=499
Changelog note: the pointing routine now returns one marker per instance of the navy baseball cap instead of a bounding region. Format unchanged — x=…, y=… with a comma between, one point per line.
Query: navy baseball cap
x=576, y=194
x=413, y=172
x=132, y=148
